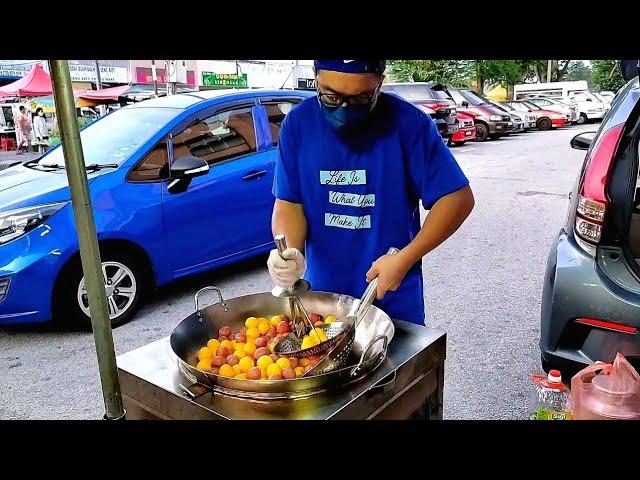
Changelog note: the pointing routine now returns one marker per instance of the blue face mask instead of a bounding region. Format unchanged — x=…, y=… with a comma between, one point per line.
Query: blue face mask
x=346, y=119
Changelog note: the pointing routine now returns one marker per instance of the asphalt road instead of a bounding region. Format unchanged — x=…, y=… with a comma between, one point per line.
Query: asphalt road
x=482, y=287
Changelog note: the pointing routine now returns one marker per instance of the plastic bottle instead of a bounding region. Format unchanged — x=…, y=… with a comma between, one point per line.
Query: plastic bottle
x=551, y=399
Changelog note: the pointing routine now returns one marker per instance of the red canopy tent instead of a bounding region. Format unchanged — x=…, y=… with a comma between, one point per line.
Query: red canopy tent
x=37, y=83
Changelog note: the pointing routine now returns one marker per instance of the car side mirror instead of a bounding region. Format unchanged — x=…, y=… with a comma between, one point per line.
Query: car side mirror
x=582, y=141
x=465, y=104
x=183, y=170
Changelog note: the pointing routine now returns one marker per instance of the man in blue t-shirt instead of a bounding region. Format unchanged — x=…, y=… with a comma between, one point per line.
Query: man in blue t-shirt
x=353, y=165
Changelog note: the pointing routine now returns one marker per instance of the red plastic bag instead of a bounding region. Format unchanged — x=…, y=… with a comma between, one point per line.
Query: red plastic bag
x=605, y=391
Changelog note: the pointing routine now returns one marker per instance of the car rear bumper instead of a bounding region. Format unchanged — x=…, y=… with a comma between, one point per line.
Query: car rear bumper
x=574, y=288
x=445, y=129
x=559, y=122
x=464, y=134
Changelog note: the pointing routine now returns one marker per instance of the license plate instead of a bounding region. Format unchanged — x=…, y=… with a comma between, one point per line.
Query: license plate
x=498, y=127
x=467, y=134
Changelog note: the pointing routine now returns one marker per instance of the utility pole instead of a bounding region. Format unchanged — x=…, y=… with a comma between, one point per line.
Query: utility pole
x=167, y=74
x=549, y=70
x=154, y=76
x=99, y=85
x=87, y=238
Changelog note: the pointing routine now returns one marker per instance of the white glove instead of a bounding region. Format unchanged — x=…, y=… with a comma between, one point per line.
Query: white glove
x=285, y=272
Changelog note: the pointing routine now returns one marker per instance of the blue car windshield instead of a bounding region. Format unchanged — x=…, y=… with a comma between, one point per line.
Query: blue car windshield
x=112, y=139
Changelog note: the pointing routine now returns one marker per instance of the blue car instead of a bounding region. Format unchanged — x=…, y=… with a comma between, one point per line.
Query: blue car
x=178, y=185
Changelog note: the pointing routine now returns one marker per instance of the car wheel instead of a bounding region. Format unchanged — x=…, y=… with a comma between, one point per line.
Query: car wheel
x=124, y=281
x=459, y=144
x=582, y=119
x=544, y=124
x=482, y=132
x=449, y=142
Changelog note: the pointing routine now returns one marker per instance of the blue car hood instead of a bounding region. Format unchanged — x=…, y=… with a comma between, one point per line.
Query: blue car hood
x=23, y=187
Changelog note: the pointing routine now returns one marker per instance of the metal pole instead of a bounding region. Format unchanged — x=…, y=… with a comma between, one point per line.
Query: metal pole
x=87, y=239
x=549, y=70
x=99, y=86
x=154, y=76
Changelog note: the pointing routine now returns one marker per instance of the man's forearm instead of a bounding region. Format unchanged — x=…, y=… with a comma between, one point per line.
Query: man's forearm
x=288, y=219
x=444, y=218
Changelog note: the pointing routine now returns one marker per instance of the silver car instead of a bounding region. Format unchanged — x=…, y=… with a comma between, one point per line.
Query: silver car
x=570, y=110
x=528, y=120
x=591, y=294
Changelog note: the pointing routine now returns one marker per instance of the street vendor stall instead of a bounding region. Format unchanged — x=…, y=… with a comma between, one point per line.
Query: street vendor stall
x=401, y=377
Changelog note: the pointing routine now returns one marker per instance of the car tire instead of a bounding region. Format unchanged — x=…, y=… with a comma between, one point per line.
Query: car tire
x=582, y=119
x=544, y=124
x=459, y=144
x=482, y=132
x=122, y=267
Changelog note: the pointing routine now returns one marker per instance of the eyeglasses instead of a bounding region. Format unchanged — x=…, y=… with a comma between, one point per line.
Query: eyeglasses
x=335, y=100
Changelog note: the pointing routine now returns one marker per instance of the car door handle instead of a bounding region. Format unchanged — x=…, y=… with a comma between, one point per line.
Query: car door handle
x=252, y=175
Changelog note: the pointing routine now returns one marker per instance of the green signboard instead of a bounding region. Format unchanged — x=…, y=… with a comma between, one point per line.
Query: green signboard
x=210, y=79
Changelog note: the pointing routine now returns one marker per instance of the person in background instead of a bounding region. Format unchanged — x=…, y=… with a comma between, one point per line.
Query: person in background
x=23, y=131
x=41, y=130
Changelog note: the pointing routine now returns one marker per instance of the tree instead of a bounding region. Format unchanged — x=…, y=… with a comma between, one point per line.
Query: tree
x=606, y=75
x=577, y=70
x=451, y=72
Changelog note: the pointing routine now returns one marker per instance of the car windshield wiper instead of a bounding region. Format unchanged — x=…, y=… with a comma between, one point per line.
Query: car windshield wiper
x=50, y=165
x=100, y=166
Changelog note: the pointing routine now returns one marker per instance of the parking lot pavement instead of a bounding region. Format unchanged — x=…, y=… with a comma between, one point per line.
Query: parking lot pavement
x=482, y=287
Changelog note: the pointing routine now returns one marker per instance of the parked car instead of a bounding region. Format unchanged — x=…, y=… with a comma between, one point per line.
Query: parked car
x=517, y=119
x=545, y=119
x=605, y=102
x=490, y=122
x=427, y=97
x=466, y=130
x=590, y=108
x=528, y=119
x=569, y=110
x=591, y=294
x=179, y=185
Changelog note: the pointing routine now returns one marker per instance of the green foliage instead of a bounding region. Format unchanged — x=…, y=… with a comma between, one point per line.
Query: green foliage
x=606, y=75
x=452, y=72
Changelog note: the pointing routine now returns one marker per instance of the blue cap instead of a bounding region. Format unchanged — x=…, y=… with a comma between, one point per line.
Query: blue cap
x=351, y=66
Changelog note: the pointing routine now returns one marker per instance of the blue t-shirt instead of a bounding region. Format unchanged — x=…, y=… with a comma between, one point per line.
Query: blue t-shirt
x=360, y=194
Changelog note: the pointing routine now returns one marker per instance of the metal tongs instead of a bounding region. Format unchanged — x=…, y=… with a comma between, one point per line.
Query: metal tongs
x=297, y=312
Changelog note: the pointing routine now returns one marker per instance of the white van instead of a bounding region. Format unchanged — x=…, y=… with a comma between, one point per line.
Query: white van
x=589, y=107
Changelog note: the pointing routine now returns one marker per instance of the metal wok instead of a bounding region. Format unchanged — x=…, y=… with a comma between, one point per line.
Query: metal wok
x=372, y=338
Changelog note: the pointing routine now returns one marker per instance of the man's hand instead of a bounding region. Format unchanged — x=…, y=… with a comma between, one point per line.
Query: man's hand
x=390, y=270
x=285, y=271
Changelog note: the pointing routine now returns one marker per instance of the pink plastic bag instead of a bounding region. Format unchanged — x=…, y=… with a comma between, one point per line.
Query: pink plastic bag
x=605, y=391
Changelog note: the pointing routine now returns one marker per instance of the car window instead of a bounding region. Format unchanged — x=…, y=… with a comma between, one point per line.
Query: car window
x=218, y=138
x=276, y=111
x=457, y=97
x=412, y=92
x=115, y=137
x=152, y=167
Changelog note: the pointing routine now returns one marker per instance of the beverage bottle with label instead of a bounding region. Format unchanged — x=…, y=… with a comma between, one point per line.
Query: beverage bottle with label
x=551, y=398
